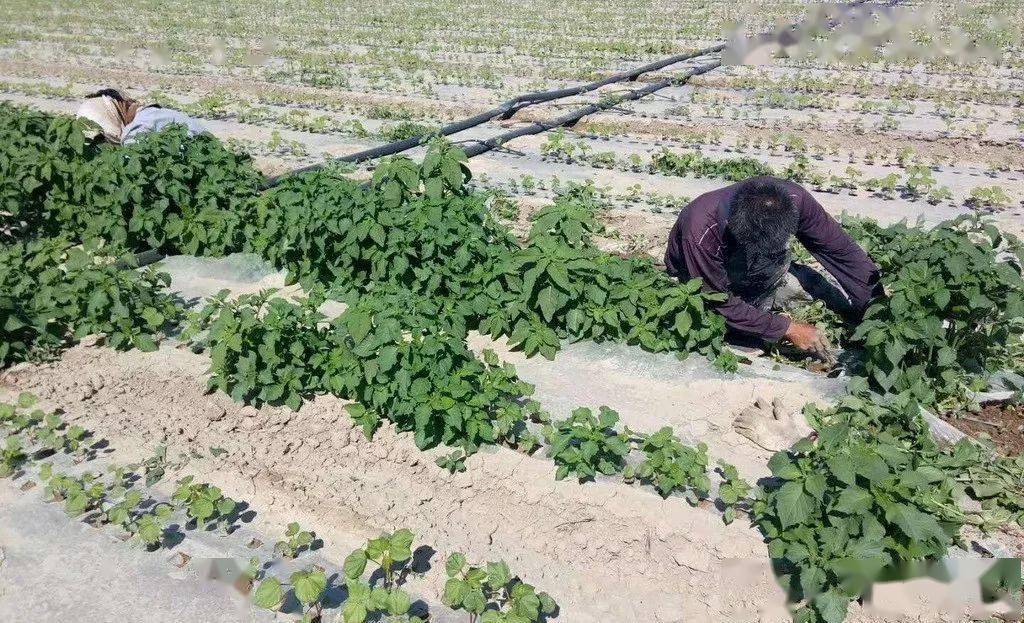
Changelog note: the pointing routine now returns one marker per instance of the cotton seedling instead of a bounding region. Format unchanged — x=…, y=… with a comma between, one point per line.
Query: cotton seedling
x=53, y=435
x=19, y=420
x=121, y=512
x=296, y=540
x=147, y=525
x=732, y=492
x=12, y=456
x=490, y=594
x=154, y=467
x=670, y=466
x=989, y=197
x=364, y=602
x=585, y=444
x=309, y=586
x=204, y=503
x=390, y=552
x=80, y=495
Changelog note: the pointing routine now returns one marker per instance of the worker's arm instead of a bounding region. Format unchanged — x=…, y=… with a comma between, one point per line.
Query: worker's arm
x=838, y=253
x=705, y=261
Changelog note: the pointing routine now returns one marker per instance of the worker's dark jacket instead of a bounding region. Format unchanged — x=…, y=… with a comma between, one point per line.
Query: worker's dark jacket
x=698, y=247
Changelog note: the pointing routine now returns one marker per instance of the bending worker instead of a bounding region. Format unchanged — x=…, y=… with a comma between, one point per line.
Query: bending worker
x=122, y=120
x=737, y=239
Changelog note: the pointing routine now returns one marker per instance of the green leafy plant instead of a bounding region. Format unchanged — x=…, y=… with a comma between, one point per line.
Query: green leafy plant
x=53, y=435
x=391, y=553
x=868, y=492
x=670, y=466
x=364, y=601
x=269, y=594
x=954, y=302
x=204, y=503
x=52, y=293
x=309, y=586
x=989, y=197
x=12, y=456
x=585, y=444
x=733, y=492
x=997, y=482
x=168, y=190
x=490, y=594
x=147, y=525
x=82, y=494
x=295, y=541
x=693, y=163
x=570, y=220
x=266, y=349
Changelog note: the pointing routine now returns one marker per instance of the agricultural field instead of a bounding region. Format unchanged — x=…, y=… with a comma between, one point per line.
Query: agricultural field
x=432, y=388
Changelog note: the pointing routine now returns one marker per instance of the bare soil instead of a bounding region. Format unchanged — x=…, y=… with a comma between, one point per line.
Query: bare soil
x=1002, y=423
x=606, y=551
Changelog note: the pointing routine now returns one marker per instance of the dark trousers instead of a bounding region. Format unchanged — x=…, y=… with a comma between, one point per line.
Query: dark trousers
x=801, y=285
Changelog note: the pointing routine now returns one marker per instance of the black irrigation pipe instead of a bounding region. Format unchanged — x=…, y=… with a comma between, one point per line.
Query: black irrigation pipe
x=503, y=111
x=514, y=105
x=570, y=119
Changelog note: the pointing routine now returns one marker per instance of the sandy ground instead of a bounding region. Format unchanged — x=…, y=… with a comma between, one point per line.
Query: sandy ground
x=605, y=551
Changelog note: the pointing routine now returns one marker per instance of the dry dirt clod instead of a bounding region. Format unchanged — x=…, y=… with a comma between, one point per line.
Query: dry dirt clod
x=214, y=412
x=93, y=340
x=179, y=560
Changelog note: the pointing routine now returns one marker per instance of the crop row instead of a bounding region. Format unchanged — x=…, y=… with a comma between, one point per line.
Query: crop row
x=123, y=498
x=918, y=182
x=420, y=261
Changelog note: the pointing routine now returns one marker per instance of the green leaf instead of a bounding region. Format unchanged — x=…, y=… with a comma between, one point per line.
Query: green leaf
x=842, y=468
x=354, y=612
x=474, y=601
x=831, y=606
x=549, y=303
x=144, y=343
x=269, y=594
x=815, y=485
x=915, y=524
x=399, y=602
x=854, y=500
x=309, y=586
x=794, y=504
x=455, y=591
x=355, y=564
x=455, y=564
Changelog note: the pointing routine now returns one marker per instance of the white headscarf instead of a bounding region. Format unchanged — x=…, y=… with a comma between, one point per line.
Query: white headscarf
x=103, y=112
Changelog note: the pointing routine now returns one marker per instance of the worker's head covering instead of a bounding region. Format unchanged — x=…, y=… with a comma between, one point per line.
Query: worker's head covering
x=110, y=110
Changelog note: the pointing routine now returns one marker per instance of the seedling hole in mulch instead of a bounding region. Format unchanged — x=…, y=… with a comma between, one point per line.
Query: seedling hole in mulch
x=1003, y=423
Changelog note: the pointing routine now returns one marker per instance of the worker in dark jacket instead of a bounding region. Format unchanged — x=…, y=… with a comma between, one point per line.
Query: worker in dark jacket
x=737, y=239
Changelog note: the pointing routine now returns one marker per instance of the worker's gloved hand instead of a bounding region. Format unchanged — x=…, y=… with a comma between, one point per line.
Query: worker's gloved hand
x=808, y=338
